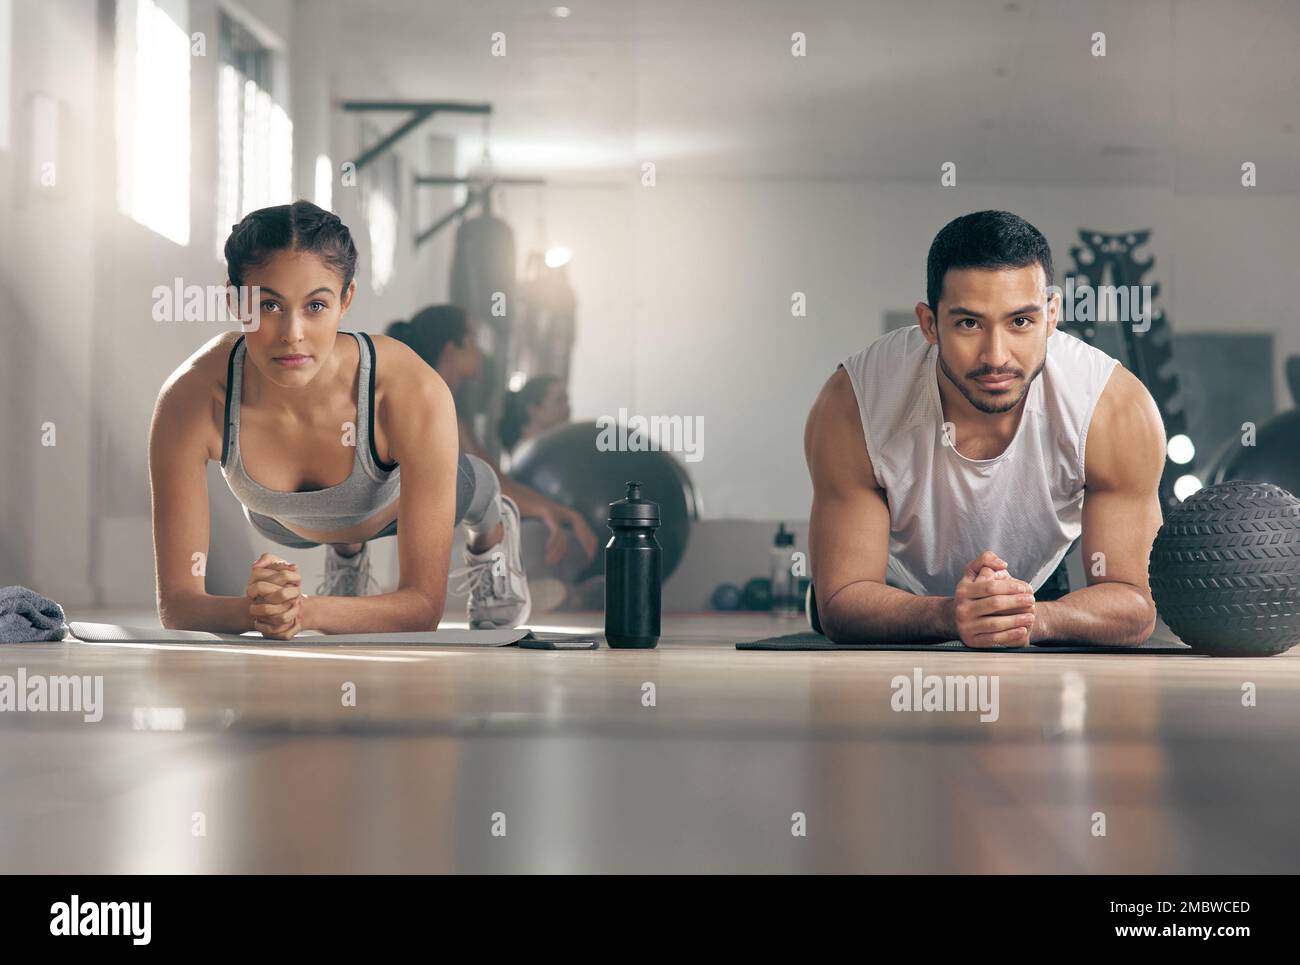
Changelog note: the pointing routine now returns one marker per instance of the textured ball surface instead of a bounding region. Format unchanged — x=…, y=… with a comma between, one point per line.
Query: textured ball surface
x=1225, y=570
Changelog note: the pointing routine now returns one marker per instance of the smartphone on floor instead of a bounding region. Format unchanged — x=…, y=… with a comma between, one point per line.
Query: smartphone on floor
x=560, y=643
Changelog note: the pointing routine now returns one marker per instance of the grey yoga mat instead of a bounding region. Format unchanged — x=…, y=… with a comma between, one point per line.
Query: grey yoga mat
x=815, y=641
x=114, y=633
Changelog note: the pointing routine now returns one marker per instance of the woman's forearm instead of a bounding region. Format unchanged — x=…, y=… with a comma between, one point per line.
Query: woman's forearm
x=402, y=610
x=203, y=611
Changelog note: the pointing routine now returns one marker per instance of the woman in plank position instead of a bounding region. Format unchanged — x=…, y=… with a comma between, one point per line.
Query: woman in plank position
x=326, y=437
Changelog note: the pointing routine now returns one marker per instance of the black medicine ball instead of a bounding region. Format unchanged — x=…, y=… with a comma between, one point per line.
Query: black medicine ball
x=1225, y=570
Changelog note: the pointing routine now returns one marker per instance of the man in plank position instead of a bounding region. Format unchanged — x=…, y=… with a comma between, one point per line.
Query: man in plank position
x=955, y=462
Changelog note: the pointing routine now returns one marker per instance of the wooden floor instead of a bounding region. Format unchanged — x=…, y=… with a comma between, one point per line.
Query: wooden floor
x=253, y=746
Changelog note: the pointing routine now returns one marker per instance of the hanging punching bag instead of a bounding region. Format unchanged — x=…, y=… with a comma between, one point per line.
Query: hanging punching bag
x=483, y=283
x=544, y=329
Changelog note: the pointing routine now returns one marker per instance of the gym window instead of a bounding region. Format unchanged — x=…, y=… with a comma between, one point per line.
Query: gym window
x=381, y=187
x=254, y=134
x=152, y=103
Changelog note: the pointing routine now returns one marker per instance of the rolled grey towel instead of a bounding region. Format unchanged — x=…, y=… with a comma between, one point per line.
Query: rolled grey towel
x=28, y=617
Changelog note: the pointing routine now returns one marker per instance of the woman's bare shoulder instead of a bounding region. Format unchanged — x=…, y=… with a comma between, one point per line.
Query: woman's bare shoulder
x=207, y=361
x=397, y=365
x=192, y=398
x=409, y=393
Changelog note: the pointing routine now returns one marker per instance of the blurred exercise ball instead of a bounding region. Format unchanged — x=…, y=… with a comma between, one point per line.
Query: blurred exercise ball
x=757, y=594
x=726, y=597
x=564, y=464
x=1274, y=458
x=1225, y=570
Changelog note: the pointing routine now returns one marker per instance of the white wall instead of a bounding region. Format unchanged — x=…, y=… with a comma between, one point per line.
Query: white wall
x=47, y=307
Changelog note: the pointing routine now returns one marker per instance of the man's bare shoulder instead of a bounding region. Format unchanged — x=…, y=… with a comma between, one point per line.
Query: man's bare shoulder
x=1126, y=436
x=833, y=436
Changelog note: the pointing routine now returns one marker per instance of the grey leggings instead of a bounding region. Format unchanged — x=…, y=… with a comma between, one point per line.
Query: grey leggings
x=478, y=506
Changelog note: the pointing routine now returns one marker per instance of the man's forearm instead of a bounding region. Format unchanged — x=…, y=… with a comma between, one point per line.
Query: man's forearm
x=530, y=502
x=1114, y=614
x=401, y=610
x=869, y=612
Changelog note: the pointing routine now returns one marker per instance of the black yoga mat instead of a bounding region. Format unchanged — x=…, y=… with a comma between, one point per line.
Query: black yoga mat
x=815, y=641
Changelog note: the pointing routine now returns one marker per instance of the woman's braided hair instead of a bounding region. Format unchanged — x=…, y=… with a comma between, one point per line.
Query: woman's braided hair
x=300, y=226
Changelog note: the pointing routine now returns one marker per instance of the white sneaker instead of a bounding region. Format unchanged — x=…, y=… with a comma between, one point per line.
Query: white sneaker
x=498, y=588
x=347, y=575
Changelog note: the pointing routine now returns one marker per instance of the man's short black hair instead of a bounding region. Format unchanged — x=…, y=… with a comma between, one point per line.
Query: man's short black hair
x=991, y=240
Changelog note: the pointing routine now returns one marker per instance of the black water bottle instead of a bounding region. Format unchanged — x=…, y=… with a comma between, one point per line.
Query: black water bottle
x=633, y=571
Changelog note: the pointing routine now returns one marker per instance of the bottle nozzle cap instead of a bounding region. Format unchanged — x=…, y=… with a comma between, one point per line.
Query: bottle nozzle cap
x=633, y=509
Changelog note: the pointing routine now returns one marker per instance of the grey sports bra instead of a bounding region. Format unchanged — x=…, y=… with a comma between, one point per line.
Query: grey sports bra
x=371, y=486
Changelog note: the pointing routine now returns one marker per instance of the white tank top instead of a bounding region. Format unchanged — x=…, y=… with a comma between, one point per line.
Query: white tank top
x=944, y=509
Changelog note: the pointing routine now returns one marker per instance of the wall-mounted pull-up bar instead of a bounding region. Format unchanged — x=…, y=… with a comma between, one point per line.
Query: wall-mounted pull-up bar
x=419, y=112
x=480, y=190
